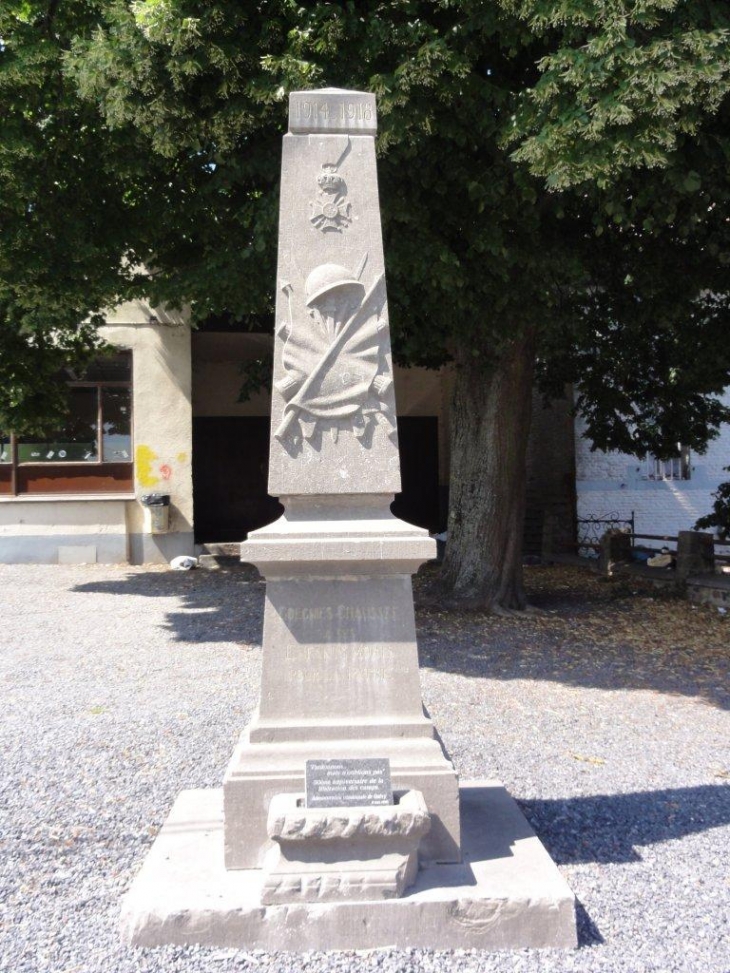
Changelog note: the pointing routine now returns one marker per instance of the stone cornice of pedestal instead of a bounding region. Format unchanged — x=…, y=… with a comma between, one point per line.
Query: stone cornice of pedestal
x=338, y=536
x=283, y=731
x=337, y=557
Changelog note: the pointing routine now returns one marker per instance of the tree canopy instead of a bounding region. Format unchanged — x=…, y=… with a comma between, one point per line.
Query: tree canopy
x=150, y=131
x=62, y=220
x=553, y=173
x=622, y=85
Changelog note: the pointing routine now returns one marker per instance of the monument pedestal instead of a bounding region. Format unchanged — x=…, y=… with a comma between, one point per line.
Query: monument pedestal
x=340, y=669
x=259, y=772
x=340, y=678
x=505, y=894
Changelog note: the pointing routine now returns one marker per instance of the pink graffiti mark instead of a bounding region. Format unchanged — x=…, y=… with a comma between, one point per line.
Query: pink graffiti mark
x=165, y=471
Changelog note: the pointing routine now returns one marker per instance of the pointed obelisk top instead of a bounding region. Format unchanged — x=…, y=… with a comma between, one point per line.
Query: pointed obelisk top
x=332, y=111
x=333, y=413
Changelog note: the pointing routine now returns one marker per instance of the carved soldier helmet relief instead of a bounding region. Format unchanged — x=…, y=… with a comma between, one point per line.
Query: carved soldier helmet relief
x=326, y=278
x=334, y=374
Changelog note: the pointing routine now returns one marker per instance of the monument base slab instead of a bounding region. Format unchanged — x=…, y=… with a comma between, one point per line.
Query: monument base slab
x=505, y=894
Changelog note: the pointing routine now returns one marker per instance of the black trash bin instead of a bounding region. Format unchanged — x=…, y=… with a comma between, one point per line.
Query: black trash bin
x=157, y=512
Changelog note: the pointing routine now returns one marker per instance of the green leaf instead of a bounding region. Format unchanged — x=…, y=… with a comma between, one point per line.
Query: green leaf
x=692, y=181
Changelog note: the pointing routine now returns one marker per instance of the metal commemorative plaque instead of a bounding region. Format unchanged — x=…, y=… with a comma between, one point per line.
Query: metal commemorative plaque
x=348, y=783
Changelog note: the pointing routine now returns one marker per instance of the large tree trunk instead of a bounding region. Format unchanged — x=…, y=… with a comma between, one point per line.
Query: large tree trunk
x=490, y=423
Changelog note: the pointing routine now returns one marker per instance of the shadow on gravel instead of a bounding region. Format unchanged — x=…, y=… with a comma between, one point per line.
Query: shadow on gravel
x=501, y=649
x=588, y=634
x=560, y=647
x=588, y=932
x=217, y=606
x=606, y=828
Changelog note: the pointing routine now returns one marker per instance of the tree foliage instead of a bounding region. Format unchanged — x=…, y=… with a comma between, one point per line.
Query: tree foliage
x=598, y=88
x=212, y=80
x=623, y=84
x=61, y=216
x=719, y=519
x=551, y=168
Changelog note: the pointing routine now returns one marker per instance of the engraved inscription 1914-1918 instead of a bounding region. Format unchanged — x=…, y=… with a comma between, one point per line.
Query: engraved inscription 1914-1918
x=330, y=112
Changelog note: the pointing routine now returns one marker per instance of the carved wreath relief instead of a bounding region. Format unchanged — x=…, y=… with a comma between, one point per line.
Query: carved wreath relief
x=336, y=375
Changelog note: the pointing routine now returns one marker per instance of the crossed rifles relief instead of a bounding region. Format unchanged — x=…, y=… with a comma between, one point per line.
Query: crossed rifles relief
x=335, y=372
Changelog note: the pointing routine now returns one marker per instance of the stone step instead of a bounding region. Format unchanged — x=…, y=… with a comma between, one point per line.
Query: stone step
x=710, y=589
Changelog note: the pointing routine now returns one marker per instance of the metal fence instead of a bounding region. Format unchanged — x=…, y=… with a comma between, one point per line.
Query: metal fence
x=592, y=529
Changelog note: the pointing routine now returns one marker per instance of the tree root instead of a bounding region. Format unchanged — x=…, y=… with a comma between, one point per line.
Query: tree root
x=534, y=611
x=529, y=611
x=431, y=594
x=503, y=612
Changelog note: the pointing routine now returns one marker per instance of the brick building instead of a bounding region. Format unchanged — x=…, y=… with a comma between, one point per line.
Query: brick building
x=666, y=496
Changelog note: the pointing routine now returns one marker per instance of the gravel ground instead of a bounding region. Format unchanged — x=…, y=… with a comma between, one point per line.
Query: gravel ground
x=606, y=717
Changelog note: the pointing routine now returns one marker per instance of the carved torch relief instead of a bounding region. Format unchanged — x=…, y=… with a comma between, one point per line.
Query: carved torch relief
x=336, y=374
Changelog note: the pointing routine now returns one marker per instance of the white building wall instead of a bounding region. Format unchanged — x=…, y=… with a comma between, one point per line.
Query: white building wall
x=63, y=529
x=162, y=424
x=614, y=484
x=110, y=528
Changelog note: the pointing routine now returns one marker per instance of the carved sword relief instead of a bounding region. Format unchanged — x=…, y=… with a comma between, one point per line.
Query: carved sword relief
x=336, y=375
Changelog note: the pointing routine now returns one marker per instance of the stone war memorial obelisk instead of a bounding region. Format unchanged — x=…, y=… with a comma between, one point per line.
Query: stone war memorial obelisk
x=341, y=823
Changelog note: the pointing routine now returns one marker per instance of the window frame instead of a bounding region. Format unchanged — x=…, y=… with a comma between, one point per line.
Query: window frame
x=101, y=476
x=658, y=469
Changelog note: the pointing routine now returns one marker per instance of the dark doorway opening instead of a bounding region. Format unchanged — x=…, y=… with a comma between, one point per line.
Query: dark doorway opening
x=418, y=503
x=230, y=473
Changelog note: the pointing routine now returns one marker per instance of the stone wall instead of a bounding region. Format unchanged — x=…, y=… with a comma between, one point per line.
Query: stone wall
x=63, y=530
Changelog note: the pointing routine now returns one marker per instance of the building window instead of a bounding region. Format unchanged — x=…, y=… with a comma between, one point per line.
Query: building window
x=675, y=468
x=92, y=452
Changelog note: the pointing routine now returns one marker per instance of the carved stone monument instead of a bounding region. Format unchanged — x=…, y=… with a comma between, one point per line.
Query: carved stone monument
x=340, y=670
x=276, y=867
